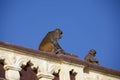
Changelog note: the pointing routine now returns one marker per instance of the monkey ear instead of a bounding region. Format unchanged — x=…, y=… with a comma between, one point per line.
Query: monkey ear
x=61, y=32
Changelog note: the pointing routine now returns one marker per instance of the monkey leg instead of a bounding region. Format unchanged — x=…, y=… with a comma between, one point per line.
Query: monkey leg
x=47, y=47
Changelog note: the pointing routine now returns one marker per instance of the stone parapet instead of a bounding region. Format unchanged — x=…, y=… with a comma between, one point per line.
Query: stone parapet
x=15, y=58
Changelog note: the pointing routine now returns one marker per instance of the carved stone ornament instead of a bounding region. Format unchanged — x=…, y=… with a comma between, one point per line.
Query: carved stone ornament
x=45, y=70
x=45, y=76
x=12, y=65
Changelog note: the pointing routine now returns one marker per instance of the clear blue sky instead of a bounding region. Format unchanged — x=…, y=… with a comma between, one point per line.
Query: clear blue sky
x=86, y=24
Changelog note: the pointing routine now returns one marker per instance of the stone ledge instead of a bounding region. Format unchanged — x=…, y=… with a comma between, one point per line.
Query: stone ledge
x=60, y=57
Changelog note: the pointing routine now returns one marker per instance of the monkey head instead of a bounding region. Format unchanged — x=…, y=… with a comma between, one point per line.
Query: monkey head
x=92, y=52
x=57, y=33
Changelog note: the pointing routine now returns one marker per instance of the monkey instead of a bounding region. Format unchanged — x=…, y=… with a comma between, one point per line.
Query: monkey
x=50, y=42
x=90, y=57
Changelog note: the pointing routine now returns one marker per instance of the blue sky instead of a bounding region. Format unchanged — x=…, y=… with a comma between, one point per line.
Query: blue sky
x=86, y=24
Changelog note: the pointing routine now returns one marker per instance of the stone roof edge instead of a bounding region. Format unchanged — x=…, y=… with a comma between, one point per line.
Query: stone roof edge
x=67, y=58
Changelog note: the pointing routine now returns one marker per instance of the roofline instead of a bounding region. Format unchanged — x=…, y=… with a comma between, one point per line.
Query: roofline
x=63, y=57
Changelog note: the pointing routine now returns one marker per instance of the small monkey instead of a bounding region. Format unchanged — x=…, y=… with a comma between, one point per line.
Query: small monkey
x=50, y=42
x=90, y=57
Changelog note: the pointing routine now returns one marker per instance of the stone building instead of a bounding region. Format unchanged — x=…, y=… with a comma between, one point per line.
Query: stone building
x=20, y=63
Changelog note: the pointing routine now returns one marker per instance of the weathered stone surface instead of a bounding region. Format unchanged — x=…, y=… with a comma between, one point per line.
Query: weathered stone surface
x=14, y=59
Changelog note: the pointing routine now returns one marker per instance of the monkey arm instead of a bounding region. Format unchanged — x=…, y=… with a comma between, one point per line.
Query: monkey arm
x=58, y=48
x=56, y=45
x=90, y=58
x=93, y=60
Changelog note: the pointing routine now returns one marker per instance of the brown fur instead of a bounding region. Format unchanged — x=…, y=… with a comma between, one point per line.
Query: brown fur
x=50, y=43
x=90, y=57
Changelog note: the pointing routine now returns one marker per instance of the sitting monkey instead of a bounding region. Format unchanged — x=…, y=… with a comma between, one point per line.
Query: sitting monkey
x=50, y=42
x=90, y=57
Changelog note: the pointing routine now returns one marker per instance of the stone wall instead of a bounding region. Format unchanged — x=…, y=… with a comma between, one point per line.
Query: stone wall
x=20, y=63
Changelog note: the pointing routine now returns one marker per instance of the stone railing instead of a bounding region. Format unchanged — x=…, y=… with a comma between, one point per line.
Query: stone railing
x=20, y=63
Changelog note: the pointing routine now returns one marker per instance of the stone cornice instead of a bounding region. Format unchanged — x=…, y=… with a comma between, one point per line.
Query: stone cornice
x=60, y=58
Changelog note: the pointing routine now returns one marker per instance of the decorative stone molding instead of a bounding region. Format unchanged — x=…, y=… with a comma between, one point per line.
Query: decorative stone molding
x=12, y=64
x=11, y=67
x=12, y=75
x=2, y=55
x=16, y=60
x=45, y=69
x=47, y=64
x=45, y=76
